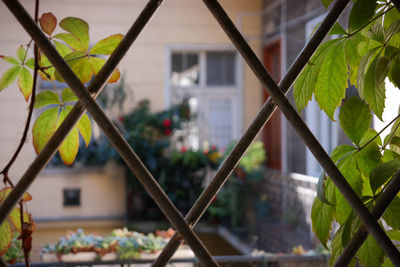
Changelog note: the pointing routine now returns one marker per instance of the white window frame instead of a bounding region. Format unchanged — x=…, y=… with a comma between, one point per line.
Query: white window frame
x=208, y=92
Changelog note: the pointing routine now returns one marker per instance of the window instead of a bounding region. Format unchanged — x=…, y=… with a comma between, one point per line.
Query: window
x=208, y=79
x=71, y=197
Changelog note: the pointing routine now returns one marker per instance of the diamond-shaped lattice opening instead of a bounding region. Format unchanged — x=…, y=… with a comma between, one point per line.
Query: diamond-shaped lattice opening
x=184, y=226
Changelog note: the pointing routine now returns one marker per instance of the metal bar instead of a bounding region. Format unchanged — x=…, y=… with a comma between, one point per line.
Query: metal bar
x=298, y=124
x=73, y=116
x=396, y=4
x=123, y=148
x=255, y=127
x=359, y=237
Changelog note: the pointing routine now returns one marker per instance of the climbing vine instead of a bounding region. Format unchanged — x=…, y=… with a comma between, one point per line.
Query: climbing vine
x=366, y=56
x=71, y=39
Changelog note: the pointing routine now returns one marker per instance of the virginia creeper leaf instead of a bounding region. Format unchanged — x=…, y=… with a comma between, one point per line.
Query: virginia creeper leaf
x=326, y=3
x=382, y=69
x=30, y=63
x=332, y=80
x=395, y=132
x=68, y=96
x=304, y=85
x=25, y=82
x=83, y=69
x=393, y=29
x=4, y=192
x=393, y=235
x=70, y=40
x=337, y=247
x=11, y=60
x=5, y=237
x=355, y=118
x=361, y=13
x=391, y=215
x=395, y=141
x=353, y=57
x=70, y=146
x=15, y=218
x=340, y=151
x=390, y=17
x=387, y=263
x=322, y=218
x=21, y=53
x=48, y=23
x=114, y=76
x=85, y=128
x=78, y=28
x=9, y=76
x=369, y=157
x=321, y=189
x=62, y=49
x=382, y=173
x=395, y=72
x=377, y=33
x=337, y=29
x=46, y=98
x=44, y=127
x=107, y=45
x=370, y=253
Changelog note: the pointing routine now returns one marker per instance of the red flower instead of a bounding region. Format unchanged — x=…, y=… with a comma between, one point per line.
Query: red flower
x=121, y=119
x=167, y=123
x=183, y=149
x=213, y=147
x=167, y=131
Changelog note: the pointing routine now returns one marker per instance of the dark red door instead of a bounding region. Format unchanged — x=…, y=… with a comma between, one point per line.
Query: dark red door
x=272, y=130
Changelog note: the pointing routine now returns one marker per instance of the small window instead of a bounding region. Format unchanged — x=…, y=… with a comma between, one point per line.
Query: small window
x=221, y=68
x=72, y=197
x=185, y=69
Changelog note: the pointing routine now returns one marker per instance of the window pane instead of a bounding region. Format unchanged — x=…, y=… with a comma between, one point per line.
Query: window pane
x=221, y=68
x=220, y=122
x=184, y=69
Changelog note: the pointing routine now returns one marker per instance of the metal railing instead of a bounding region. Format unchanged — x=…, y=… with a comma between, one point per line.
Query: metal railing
x=277, y=92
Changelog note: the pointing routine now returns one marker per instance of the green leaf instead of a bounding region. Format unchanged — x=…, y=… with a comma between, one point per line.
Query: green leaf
x=370, y=156
x=391, y=215
x=107, y=45
x=85, y=128
x=395, y=141
x=68, y=96
x=382, y=69
x=393, y=235
x=387, y=263
x=390, y=17
x=355, y=118
x=44, y=127
x=361, y=13
x=395, y=131
x=353, y=57
x=395, y=72
x=322, y=218
x=370, y=253
x=340, y=151
x=48, y=23
x=21, y=53
x=70, y=40
x=9, y=76
x=70, y=146
x=11, y=60
x=5, y=237
x=321, y=191
x=79, y=29
x=394, y=28
x=377, y=33
x=30, y=63
x=382, y=173
x=25, y=82
x=337, y=247
x=83, y=70
x=326, y=3
x=348, y=168
x=15, y=218
x=62, y=49
x=337, y=29
x=304, y=85
x=46, y=98
x=332, y=80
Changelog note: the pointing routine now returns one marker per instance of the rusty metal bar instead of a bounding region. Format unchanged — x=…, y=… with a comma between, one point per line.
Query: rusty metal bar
x=123, y=148
x=255, y=127
x=359, y=237
x=302, y=129
x=73, y=116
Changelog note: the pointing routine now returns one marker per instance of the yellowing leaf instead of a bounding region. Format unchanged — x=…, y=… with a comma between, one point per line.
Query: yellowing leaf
x=25, y=82
x=70, y=146
x=4, y=192
x=107, y=45
x=5, y=237
x=48, y=23
x=68, y=96
x=30, y=63
x=9, y=76
x=46, y=98
x=44, y=128
x=82, y=69
x=21, y=53
x=114, y=76
x=78, y=28
x=85, y=128
x=70, y=40
x=62, y=48
x=11, y=60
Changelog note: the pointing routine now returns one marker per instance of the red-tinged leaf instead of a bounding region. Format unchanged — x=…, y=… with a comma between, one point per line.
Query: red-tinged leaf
x=25, y=82
x=21, y=53
x=85, y=128
x=68, y=96
x=5, y=237
x=107, y=45
x=70, y=146
x=15, y=218
x=48, y=23
x=114, y=76
x=46, y=98
x=11, y=60
x=9, y=77
x=44, y=128
x=78, y=28
x=4, y=192
x=70, y=40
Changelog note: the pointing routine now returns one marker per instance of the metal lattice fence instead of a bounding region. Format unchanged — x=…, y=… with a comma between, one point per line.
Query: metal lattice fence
x=277, y=92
